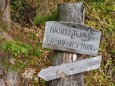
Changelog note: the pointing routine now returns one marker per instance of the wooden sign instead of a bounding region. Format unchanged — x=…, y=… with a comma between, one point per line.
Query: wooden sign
x=70, y=68
x=71, y=37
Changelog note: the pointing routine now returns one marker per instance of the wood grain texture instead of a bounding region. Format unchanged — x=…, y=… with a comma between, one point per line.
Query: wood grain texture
x=71, y=12
x=78, y=39
x=65, y=57
x=68, y=69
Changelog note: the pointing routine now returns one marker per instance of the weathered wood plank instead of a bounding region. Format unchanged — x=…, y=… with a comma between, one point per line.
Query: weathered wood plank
x=70, y=68
x=71, y=37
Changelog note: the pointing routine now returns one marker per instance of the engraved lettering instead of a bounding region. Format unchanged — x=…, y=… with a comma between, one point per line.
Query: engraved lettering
x=73, y=45
x=73, y=33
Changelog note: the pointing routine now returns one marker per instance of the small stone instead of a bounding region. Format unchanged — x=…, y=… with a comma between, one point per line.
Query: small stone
x=12, y=61
x=28, y=74
x=12, y=79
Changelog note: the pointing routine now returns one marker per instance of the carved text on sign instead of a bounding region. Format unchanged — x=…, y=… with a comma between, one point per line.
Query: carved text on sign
x=73, y=38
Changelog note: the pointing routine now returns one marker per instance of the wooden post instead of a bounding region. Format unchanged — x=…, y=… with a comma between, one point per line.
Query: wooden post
x=74, y=13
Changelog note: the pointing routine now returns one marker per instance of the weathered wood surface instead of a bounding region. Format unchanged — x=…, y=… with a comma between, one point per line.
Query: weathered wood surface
x=71, y=12
x=65, y=57
x=71, y=37
x=70, y=68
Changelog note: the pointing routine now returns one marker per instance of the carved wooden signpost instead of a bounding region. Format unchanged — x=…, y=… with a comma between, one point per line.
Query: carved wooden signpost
x=70, y=68
x=71, y=37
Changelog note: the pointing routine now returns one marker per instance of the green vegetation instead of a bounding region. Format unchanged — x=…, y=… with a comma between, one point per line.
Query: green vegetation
x=22, y=11
x=101, y=16
x=42, y=19
x=16, y=48
x=3, y=25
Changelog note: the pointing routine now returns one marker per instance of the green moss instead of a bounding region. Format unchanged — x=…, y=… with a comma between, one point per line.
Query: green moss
x=43, y=18
x=3, y=25
x=17, y=48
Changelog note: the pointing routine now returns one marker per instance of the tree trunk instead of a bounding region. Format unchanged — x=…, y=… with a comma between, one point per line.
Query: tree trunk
x=5, y=10
x=74, y=13
x=10, y=78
